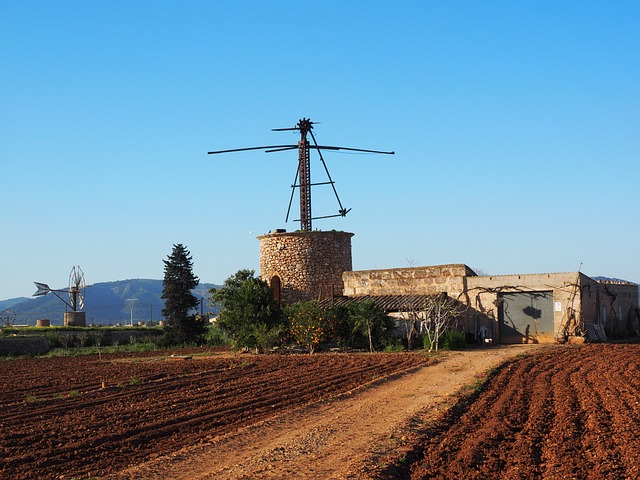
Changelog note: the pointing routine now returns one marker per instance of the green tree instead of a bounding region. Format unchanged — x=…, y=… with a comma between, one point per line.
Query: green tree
x=339, y=326
x=248, y=311
x=370, y=321
x=307, y=324
x=179, y=303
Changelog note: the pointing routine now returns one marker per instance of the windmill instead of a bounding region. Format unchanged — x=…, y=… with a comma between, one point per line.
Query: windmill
x=75, y=292
x=303, y=173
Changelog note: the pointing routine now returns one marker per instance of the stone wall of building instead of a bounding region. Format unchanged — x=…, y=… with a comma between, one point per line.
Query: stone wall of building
x=578, y=300
x=305, y=265
x=75, y=319
x=482, y=295
x=317, y=265
x=450, y=279
x=612, y=304
x=576, y=297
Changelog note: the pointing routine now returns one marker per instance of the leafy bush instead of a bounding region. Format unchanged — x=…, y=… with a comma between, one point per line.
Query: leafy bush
x=216, y=336
x=359, y=325
x=394, y=348
x=338, y=325
x=53, y=339
x=77, y=352
x=451, y=340
x=428, y=343
x=266, y=337
x=454, y=340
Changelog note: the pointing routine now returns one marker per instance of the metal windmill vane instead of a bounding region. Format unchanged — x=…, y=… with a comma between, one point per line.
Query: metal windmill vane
x=75, y=292
x=303, y=173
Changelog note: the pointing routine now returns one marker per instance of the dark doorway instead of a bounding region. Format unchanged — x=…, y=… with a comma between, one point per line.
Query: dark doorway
x=275, y=285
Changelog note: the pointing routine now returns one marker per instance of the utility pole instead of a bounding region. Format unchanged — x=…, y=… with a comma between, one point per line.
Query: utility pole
x=132, y=303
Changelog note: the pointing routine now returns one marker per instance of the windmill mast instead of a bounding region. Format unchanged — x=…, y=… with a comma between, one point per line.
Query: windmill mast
x=304, y=172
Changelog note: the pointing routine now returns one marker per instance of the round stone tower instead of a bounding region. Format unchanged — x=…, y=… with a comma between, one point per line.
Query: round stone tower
x=305, y=265
x=75, y=319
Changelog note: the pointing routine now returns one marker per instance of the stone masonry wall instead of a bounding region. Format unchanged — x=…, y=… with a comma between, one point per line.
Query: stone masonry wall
x=309, y=264
x=572, y=293
x=408, y=281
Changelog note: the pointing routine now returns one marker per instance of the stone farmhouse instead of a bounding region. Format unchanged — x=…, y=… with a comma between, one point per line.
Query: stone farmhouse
x=518, y=308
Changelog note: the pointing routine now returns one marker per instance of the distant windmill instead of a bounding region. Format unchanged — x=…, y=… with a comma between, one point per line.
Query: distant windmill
x=7, y=317
x=303, y=173
x=75, y=292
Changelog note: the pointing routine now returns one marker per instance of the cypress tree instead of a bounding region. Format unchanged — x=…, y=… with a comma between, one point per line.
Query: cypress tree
x=180, y=305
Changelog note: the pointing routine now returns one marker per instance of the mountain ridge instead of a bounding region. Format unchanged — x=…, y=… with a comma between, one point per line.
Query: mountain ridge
x=106, y=303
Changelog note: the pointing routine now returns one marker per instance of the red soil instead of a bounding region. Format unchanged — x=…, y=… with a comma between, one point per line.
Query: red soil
x=547, y=413
x=57, y=420
x=565, y=413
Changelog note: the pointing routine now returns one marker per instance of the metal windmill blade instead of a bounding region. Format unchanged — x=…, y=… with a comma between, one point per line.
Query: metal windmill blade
x=302, y=179
x=75, y=291
x=77, y=287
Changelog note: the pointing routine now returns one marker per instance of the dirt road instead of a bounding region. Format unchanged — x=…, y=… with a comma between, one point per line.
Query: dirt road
x=334, y=439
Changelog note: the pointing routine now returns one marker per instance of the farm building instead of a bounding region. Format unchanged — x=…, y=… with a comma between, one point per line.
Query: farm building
x=523, y=308
x=518, y=308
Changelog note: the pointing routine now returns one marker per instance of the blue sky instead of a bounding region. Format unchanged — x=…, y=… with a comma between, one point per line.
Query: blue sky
x=516, y=127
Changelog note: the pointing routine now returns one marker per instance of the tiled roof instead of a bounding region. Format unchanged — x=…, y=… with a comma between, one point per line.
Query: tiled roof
x=389, y=303
x=613, y=281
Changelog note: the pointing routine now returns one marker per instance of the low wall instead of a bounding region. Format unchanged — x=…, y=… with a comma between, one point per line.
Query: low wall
x=38, y=341
x=23, y=345
x=109, y=337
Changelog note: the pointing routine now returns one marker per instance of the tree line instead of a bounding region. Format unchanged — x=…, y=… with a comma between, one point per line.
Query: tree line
x=251, y=318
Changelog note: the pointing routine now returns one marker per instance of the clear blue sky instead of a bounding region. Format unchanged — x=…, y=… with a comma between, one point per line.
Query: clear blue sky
x=516, y=127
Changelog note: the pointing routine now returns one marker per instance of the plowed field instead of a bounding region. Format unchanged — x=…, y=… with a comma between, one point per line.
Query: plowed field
x=89, y=416
x=546, y=413
x=561, y=413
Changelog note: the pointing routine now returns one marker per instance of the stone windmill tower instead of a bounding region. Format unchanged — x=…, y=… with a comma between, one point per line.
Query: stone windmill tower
x=305, y=264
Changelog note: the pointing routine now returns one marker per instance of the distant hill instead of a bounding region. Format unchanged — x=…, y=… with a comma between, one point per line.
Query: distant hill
x=4, y=304
x=105, y=303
